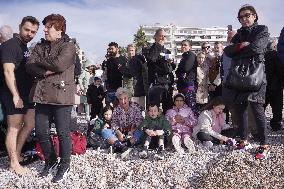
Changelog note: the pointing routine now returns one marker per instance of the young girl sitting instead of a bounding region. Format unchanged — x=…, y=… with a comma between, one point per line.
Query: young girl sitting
x=182, y=120
x=102, y=127
x=211, y=127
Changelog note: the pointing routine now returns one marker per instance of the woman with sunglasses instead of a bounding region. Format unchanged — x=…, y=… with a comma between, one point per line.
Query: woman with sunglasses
x=250, y=42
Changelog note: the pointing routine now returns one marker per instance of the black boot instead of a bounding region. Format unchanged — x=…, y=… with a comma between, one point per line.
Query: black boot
x=49, y=166
x=62, y=171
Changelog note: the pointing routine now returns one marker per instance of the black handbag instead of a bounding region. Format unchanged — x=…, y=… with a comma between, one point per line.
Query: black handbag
x=245, y=75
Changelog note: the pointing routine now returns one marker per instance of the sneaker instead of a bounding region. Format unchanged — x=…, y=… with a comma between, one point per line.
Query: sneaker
x=261, y=153
x=48, y=167
x=62, y=171
x=208, y=144
x=160, y=155
x=189, y=144
x=126, y=151
x=143, y=154
x=176, y=143
x=242, y=145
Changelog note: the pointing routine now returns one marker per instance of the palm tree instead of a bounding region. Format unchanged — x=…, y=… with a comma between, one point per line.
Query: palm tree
x=140, y=39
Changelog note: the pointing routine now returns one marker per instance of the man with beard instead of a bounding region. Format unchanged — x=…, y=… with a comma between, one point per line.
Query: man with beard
x=15, y=88
x=113, y=75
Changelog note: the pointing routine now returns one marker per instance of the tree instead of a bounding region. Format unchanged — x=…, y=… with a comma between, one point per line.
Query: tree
x=122, y=51
x=140, y=39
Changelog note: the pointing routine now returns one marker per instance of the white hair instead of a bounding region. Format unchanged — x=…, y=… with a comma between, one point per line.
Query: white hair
x=6, y=33
x=121, y=91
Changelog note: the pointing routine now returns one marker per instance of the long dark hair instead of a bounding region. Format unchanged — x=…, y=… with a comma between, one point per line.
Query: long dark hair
x=105, y=109
x=214, y=102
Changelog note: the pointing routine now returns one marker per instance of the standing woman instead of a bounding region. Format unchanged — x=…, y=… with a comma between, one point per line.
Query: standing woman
x=52, y=65
x=250, y=42
x=186, y=74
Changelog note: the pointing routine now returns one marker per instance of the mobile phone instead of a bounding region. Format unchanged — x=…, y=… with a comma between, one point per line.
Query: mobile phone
x=230, y=28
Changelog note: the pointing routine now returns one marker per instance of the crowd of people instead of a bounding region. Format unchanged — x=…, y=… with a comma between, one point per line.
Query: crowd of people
x=135, y=103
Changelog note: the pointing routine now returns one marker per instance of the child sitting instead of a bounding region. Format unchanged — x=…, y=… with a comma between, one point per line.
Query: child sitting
x=211, y=127
x=182, y=120
x=155, y=125
x=103, y=128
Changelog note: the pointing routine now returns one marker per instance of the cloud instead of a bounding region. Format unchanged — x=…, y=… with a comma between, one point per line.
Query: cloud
x=96, y=23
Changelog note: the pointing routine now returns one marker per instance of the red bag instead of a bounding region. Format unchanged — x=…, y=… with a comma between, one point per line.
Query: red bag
x=55, y=142
x=79, y=144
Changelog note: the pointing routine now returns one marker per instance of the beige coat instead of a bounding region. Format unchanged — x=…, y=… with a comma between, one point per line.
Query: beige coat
x=202, y=83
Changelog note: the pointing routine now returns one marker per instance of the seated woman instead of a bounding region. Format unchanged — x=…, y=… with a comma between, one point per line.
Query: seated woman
x=211, y=127
x=182, y=120
x=126, y=117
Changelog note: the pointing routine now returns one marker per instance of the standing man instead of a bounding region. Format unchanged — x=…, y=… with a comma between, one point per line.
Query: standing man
x=15, y=90
x=6, y=33
x=160, y=66
x=113, y=75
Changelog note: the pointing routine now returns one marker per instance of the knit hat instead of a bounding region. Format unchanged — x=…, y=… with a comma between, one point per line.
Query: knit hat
x=179, y=95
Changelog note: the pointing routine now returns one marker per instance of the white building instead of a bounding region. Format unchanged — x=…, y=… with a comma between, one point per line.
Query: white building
x=175, y=34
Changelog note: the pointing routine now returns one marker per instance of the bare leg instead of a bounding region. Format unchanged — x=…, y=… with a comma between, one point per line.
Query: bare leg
x=29, y=124
x=14, y=125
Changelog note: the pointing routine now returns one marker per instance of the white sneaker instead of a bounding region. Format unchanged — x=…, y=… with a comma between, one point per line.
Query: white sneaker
x=189, y=144
x=177, y=145
x=125, y=154
x=208, y=144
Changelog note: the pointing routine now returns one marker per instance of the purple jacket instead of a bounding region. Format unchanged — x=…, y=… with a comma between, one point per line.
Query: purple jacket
x=190, y=120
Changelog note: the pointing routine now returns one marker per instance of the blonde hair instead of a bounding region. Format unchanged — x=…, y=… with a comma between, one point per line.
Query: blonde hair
x=201, y=53
x=121, y=91
x=131, y=45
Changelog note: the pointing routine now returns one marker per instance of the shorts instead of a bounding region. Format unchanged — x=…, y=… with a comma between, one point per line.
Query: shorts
x=9, y=107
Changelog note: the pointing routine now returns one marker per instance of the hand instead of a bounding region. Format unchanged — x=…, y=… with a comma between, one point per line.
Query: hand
x=106, y=125
x=159, y=132
x=49, y=72
x=211, y=87
x=150, y=132
x=18, y=102
x=179, y=119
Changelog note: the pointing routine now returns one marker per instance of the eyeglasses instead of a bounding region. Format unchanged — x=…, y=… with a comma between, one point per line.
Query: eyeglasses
x=207, y=47
x=179, y=100
x=247, y=15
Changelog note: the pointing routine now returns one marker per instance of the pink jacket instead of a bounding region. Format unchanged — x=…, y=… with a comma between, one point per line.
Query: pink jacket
x=190, y=120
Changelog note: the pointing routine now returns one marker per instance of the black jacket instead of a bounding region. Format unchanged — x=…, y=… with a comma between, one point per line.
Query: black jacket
x=135, y=69
x=93, y=94
x=186, y=71
x=158, y=67
x=114, y=76
x=257, y=36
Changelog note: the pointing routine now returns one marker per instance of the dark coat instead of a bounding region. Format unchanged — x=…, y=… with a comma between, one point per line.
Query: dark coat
x=274, y=71
x=93, y=94
x=280, y=46
x=114, y=76
x=59, y=57
x=158, y=67
x=257, y=36
x=135, y=69
x=186, y=71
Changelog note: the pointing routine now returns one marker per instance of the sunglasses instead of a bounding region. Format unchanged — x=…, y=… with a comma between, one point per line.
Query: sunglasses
x=247, y=15
x=207, y=47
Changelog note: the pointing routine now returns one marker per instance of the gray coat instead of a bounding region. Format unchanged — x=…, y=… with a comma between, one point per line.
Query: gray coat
x=257, y=36
x=59, y=57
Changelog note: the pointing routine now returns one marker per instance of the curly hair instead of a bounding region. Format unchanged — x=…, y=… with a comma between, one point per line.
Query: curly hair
x=56, y=20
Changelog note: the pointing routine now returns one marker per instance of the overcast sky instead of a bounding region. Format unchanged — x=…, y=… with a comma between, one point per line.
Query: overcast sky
x=97, y=22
